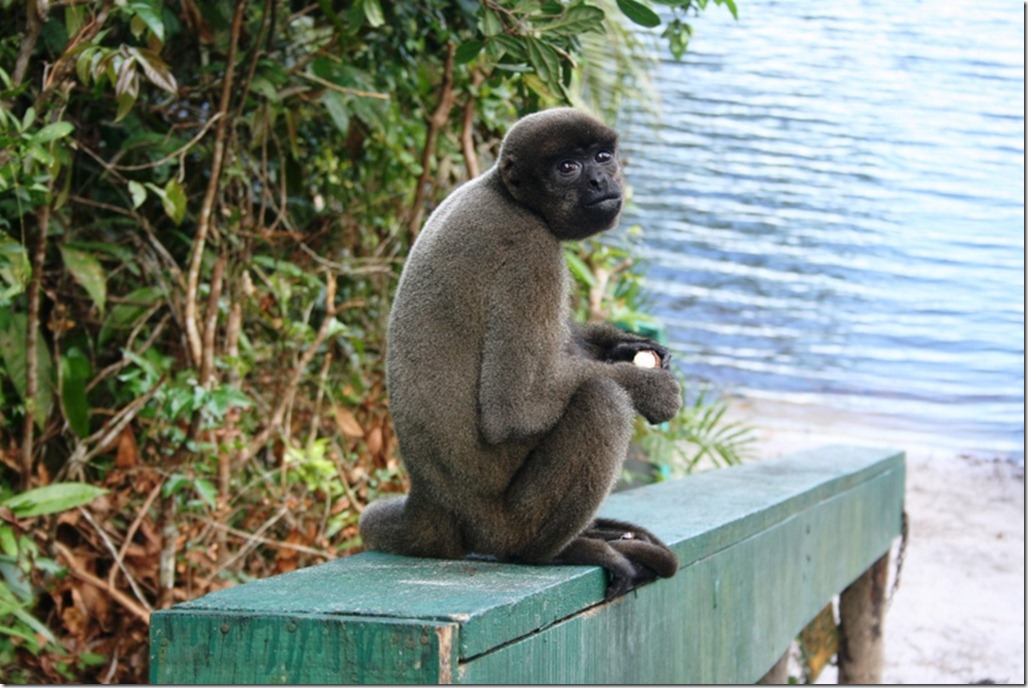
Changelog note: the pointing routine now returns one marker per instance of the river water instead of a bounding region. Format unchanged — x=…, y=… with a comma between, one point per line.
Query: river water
x=833, y=210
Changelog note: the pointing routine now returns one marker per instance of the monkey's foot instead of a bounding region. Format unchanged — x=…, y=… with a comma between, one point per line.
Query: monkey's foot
x=632, y=555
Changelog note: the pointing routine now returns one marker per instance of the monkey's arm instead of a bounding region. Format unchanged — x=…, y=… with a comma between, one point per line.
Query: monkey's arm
x=523, y=388
x=526, y=375
x=604, y=342
x=525, y=385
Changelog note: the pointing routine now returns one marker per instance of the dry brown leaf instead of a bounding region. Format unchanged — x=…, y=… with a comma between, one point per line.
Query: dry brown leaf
x=347, y=423
x=286, y=559
x=374, y=440
x=128, y=452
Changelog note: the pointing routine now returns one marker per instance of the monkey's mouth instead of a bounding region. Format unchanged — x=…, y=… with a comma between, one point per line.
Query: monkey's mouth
x=608, y=202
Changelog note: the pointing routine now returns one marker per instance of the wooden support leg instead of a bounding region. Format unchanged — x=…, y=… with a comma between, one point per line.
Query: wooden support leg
x=779, y=673
x=861, y=614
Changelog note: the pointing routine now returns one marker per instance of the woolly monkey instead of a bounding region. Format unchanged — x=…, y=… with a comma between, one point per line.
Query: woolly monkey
x=514, y=422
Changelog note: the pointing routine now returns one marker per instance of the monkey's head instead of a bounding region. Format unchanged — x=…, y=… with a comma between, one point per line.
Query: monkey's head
x=562, y=164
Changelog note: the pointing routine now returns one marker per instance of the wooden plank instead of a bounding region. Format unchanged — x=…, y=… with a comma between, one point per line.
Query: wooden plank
x=735, y=531
x=240, y=647
x=494, y=603
x=726, y=617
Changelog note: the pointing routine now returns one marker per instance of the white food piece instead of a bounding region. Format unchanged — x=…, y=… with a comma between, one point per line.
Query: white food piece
x=647, y=359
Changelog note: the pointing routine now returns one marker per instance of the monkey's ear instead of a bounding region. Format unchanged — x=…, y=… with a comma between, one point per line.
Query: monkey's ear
x=509, y=169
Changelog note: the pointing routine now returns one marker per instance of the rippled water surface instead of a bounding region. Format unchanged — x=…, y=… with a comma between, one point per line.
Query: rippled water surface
x=834, y=210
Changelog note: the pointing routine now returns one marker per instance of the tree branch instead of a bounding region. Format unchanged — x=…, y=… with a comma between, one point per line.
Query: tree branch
x=28, y=43
x=436, y=122
x=203, y=223
x=121, y=598
x=211, y=325
x=467, y=140
x=31, y=342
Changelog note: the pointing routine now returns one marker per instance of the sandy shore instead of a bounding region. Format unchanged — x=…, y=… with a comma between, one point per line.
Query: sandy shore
x=958, y=614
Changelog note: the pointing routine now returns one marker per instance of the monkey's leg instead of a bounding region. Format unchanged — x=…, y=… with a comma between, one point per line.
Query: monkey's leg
x=563, y=481
x=406, y=525
x=554, y=497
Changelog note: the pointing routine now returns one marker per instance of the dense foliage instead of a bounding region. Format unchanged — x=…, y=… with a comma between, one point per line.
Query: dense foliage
x=204, y=207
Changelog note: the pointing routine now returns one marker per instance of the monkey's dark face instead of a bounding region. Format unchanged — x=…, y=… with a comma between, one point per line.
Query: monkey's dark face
x=563, y=165
x=586, y=191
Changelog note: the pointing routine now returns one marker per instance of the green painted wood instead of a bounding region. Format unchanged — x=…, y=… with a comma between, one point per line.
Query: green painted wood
x=494, y=603
x=242, y=647
x=763, y=546
x=726, y=617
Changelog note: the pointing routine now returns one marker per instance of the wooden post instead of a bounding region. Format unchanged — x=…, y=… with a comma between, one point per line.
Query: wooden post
x=777, y=675
x=861, y=615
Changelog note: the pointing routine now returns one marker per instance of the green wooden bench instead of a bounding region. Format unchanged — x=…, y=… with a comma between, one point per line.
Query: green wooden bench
x=763, y=547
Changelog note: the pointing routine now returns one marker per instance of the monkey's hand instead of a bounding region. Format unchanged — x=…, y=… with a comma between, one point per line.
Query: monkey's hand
x=655, y=392
x=627, y=351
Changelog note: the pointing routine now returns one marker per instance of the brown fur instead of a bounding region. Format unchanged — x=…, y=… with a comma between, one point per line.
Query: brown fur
x=513, y=422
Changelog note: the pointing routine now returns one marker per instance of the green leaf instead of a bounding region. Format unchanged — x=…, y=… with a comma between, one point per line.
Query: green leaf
x=127, y=80
x=12, y=348
x=138, y=192
x=510, y=45
x=30, y=117
x=208, y=493
x=373, y=13
x=579, y=269
x=156, y=70
x=83, y=63
x=74, y=18
x=8, y=543
x=730, y=4
x=174, y=201
x=678, y=34
x=35, y=624
x=174, y=484
x=336, y=104
x=41, y=154
x=88, y=272
x=579, y=19
x=137, y=26
x=52, y=132
x=545, y=61
x=125, y=102
x=51, y=499
x=150, y=14
x=467, y=51
x=491, y=23
x=14, y=268
x=124, y=316
x=266, y=88
x=75, y=374
x=639, y=13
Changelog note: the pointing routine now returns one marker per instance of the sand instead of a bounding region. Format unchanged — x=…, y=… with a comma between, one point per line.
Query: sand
x=958, y=614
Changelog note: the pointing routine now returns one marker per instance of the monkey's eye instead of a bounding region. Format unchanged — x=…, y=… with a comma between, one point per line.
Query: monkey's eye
x=568, y=166
x=604, y=156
